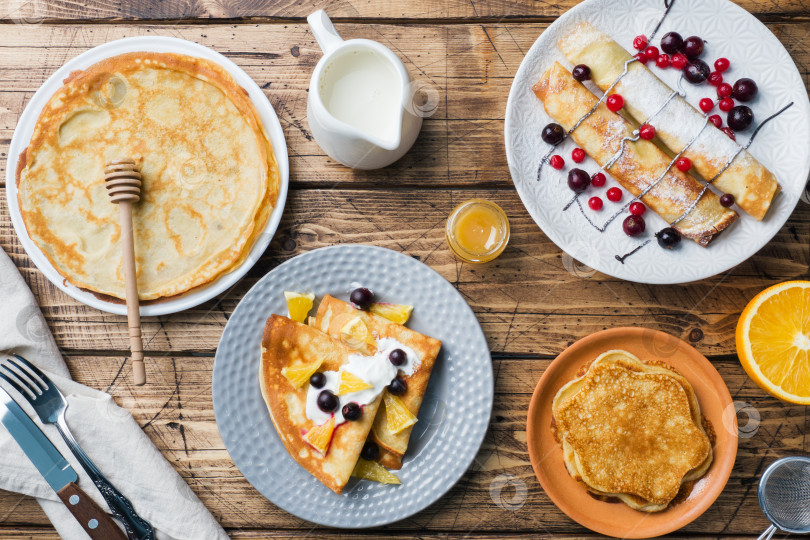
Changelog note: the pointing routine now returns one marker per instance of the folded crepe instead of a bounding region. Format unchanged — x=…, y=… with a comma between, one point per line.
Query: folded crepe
x=287, y=343
x=332, y=316
x=639, y=165
x=752, y=185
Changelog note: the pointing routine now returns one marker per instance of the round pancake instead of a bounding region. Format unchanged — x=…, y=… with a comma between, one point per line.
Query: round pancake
x=210, y=180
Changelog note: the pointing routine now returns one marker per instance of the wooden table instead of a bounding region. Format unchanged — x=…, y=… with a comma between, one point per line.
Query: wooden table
x=529, y=305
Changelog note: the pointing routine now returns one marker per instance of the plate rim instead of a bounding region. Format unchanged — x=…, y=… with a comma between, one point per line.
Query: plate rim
x=708, y=497
x=30, y=114
x=436, y=494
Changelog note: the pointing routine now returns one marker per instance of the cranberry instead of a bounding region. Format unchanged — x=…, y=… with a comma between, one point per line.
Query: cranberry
x=614, y=194
x=641, y=57
x=716, y=120
x=370, y=451
x=633, y=225
x=696, y=71
x=598, y=180
x=578, y=180
x=721, y=64
x=672, y=42
x=577, y=154
x=581, y=72
x=668, y=237
x=651, y=52
x=683, y=164
x=706, y=105
x=726, y=200
x=646, y=132
x=745, y=89
x=352, y=411
x=637, y=208
x=715, y=78
x=327, y=401
x=692, y=47
x=397, y=357
x=595, y=203
x=615, y=102
x=724, y=90
x=640, y=43
x=730, y=133
x=726, y=104
x=679, y=61
x=663, y=61
x=398, y=386
x=557, y=162
x=553, y=134
x=740, y=117
x=317, y=380
x=362, y=298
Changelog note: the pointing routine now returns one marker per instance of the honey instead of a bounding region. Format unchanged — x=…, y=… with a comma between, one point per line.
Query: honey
x=477, y=231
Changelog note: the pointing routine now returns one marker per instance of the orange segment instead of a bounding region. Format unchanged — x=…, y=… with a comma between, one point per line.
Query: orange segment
x=398, y=313
x=299, y=304
x=320, y=437
x=773, y=341
x=299, y=374
x=371, y=470
x=356, y=335
x=349, y=382
x=397, y=415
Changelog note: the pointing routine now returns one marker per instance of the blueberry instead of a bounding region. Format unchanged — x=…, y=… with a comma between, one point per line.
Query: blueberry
x=317, y=380
x=553, y=134
x=327, y=401
x=370, y=451
x=581, y=72
x=362, y=298
x=668, y=238
x=633, y=225
x=745, y=89
x=672, y=43
x=740, y=117
x=398, y=386
x=398, y=357
x=692, y=47
x=726, y=200
x=578, y=180
x=352, y=411
x=696, y=71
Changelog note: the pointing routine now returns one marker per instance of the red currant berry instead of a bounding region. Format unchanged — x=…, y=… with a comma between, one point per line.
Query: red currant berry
x=595, y=203
x=730, y=133
x=716, y=120
x=721, y=64
x=637, y=208
x=726, y=104
x=615, y=102
x=640, y=43
x=651, y=52
x=641, y=57
x=715, y=78
x=706, y=105
x=679, y=61
x=577, y=154
x=724, y=90
x=598, y=180
x=557, y=162
x=663, y=61
x=614, y=194
x=646, y=132
x=683, y=164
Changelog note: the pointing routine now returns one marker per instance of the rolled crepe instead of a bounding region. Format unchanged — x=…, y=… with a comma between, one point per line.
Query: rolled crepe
x=639, y=165
x=752, y=185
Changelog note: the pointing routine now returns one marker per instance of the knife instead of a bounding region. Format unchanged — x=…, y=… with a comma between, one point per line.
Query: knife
x=56, y=471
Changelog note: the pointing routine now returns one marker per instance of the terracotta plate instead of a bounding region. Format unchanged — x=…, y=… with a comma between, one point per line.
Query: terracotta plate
x=617, y=519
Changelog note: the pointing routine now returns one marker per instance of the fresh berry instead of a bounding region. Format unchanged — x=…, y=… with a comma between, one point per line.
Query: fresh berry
x=637, y=208
x=614, y=194
x=745, y=90
x=696, y=71
x=577, y=154
x=715, y=78
x=553, y=134
x=641, y=57
x=598, y=180
x=679, y=61
x=633, y=225
x=578, y=180
x=692, y=47
x=595, y=203
x=726, y=104
x=730, y=133
x=327, y=401
x=640, y=43
x=724, y=90
x=352, y=411
x=706, y=104
x=317, y=380
x=721, y=64
x=581, y=72
x=683, y=164
x=740, y=118
x=672, y=42
x=663, y=61
x=646, y=132
x=716, y=120
x=726, y=200
x=370, y=451
x=668, y=238
x=651, y=52
x=397, y=357
x=398, y=386
x=615, y=102
x=362, y=298
x=557, y=162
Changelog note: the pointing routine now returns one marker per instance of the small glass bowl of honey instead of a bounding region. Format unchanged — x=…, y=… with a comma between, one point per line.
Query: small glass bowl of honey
x=477, y=231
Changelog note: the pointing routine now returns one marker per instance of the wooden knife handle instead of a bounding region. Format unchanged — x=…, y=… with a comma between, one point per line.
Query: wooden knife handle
x=90, y=516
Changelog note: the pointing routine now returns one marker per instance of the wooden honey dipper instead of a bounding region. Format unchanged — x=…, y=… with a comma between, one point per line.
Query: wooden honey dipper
x=123, y=182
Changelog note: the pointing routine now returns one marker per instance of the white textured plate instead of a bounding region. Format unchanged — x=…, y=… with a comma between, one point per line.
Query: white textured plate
x=781, y=146
x=25, y=127
x=452, y=421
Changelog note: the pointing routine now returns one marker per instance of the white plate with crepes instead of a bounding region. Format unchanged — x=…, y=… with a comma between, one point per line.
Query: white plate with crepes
x=781, y=146
x=24, y=130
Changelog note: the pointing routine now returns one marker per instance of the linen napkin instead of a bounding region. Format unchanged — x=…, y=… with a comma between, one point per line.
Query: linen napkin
x=107, y=432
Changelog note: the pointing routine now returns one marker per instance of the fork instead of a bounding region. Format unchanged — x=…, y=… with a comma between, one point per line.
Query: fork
x=50, y=405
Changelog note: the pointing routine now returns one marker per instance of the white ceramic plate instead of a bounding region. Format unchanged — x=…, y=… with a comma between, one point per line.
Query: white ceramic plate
x=453, y=418
x=25, y=127
x=781, y=146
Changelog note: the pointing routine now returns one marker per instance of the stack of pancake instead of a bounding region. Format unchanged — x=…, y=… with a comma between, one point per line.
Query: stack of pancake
x=632, y=431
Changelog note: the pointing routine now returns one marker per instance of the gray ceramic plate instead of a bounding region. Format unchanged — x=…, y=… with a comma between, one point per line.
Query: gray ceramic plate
x=453, y=418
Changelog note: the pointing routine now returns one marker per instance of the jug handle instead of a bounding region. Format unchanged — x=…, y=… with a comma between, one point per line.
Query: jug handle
x=324, y=31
